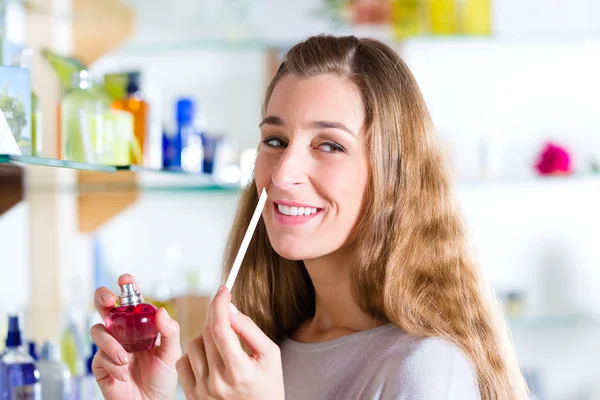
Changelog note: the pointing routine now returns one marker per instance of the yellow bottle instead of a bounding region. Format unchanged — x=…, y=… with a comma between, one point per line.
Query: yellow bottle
x=406, y=18
x=139, y=108
x=477, y=17
x=443, y=14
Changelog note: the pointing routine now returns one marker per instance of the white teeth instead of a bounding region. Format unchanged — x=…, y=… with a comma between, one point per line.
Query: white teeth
x=286, y=210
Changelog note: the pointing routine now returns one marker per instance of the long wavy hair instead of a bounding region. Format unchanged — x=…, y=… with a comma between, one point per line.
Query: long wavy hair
x=411, y=260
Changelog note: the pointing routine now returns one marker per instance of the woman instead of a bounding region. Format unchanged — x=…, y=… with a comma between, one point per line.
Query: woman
x=359, y=282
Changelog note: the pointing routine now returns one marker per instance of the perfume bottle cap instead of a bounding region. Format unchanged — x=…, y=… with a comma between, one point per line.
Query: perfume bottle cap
x=130, y=295
x=50, y=351
x=15, y=335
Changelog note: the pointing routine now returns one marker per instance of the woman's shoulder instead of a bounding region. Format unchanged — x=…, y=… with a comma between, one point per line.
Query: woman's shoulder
x=428, y=368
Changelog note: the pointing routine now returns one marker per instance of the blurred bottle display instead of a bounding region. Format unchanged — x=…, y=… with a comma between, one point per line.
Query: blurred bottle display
x=411, y=18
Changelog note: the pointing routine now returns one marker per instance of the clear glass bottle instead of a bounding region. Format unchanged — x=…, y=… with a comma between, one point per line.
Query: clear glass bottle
x=55, y=376
x=81, y=118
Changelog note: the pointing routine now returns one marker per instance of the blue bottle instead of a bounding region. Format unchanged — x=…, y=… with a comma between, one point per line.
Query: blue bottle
x=86, y=387
x=21, y=377
x=175, y=142
x=33, y=350
x=3, y=380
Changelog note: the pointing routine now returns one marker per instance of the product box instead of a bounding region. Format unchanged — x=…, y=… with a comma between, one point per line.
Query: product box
x=15, y=108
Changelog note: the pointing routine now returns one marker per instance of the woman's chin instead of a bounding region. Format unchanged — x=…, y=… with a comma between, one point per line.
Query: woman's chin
x=292, y=251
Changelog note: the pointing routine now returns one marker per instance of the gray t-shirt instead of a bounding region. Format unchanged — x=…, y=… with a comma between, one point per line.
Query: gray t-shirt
x=384, y=363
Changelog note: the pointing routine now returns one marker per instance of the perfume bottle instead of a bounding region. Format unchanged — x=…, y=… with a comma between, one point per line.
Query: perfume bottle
x=21, y=379
x=133, y=322
x=81, y=119
x=135, y=104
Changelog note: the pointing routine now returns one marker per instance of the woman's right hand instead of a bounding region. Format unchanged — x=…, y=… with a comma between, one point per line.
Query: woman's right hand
x=142, y=375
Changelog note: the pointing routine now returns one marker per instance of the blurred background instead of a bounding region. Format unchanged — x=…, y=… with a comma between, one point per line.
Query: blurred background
x=138, y=125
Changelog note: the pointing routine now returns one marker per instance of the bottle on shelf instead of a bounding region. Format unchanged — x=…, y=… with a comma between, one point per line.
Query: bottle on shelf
x=55, y=376
x=81, y=119
x=23, y=59
x=407, y=18
x=476, y=17
x=135, y=104
x=183, y=150
x=85, y=386
x=32, y=347
x=443, y=14
x=21, y=377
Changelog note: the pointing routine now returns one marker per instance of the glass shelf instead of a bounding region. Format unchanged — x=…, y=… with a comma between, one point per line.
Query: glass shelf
x=52, y=162
x=552, y=322
x=145, y=180
x=165, y=180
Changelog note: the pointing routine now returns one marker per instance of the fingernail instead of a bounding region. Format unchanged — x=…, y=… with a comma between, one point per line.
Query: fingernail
x=123, y=357
x=106, y=296
x=221, y=289
x=233, y=309
x=125, y=377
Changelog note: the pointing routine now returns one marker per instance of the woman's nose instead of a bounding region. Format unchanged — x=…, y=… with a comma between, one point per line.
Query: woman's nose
x=291, y=169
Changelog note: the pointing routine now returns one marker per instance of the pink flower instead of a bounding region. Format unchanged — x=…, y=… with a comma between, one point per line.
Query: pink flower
x=554, y=160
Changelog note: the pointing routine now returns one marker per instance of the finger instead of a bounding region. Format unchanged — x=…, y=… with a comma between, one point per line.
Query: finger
x=107, y=343
x=104, y=301
x=255, y=339
x=127, y=278
x=213, y=357
x=100, y=373
x=198, y=359
x=186, y=375
x=102, y=364
x=224, y=337
x=169, y=349
x=104, y=298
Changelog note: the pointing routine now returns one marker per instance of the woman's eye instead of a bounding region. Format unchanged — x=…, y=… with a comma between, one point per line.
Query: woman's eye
x=330, y=147
x=274, y=142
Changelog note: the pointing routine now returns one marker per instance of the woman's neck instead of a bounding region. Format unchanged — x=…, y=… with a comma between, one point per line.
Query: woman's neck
x=336, y=312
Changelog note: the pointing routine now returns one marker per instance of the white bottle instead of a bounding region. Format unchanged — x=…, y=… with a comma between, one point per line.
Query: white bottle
x=54, y=374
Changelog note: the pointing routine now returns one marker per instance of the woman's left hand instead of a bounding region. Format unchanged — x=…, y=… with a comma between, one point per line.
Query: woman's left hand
x=217, y=367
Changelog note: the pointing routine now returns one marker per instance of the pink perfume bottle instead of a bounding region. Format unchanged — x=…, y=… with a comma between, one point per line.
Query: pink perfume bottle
x=133, y=323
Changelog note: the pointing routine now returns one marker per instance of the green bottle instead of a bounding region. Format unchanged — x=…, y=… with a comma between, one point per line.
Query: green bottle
x=81, y=118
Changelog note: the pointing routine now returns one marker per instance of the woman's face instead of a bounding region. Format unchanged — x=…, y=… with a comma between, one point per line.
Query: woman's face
x=313, y=164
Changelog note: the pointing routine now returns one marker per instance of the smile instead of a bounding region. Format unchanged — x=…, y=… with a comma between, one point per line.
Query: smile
x=295, y=214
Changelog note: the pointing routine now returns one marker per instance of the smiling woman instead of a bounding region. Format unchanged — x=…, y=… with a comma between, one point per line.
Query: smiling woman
x=362, y=254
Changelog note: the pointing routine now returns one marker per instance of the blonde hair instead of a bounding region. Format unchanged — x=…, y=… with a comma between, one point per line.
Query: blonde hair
x=411, y=262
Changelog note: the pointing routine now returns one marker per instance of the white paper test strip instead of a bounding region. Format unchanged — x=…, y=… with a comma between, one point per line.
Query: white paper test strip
x=246, y=242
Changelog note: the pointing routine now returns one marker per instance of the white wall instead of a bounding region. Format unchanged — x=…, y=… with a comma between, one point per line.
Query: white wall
x=511, y=95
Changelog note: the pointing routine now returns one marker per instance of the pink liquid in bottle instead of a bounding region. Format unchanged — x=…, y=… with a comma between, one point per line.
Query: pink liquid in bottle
x=133, y=323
